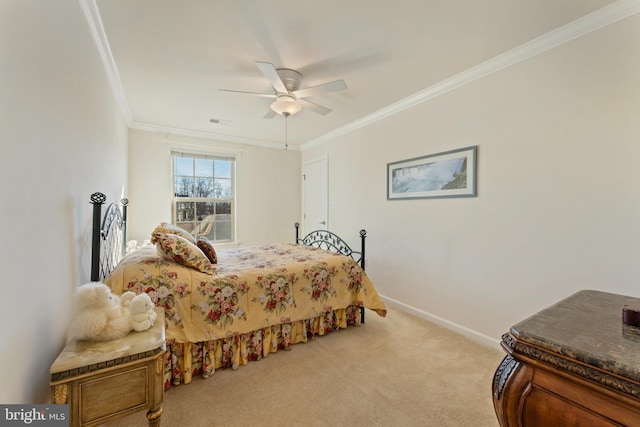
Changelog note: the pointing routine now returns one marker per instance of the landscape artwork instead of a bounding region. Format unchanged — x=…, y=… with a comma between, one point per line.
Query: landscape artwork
x=446, y=174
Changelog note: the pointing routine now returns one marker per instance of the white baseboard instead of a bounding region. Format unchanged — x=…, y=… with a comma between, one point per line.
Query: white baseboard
x=462, y=330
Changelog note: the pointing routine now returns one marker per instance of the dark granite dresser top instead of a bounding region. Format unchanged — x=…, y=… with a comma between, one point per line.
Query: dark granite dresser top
x=587, y=326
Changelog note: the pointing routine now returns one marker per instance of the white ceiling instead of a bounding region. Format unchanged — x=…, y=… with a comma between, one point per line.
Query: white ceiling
x=173, y=56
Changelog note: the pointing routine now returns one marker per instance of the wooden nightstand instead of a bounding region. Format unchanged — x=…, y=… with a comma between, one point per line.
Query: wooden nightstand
x=102, y=381
x=572, y=364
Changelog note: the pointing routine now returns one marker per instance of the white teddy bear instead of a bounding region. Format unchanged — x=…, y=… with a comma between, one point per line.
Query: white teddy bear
x=141, y=313
x=126, y=298
x=99, y=314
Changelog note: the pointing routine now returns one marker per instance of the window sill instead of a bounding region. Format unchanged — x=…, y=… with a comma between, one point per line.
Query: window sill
x=226, y=245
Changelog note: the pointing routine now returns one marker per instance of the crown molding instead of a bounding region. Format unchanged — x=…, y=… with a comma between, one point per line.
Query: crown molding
x=600, y=18
x=208, y=135
x=92, y=15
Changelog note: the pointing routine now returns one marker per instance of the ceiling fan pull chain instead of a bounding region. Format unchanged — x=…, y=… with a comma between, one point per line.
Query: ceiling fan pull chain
x=286, y=132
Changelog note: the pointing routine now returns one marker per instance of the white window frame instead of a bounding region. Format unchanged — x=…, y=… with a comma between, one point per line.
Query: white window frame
x=175, y=200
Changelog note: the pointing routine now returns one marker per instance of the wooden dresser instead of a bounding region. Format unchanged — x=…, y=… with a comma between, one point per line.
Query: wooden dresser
x=102, y=381
x=572, y=364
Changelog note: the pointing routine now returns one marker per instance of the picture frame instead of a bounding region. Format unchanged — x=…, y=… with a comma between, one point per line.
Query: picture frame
x=441, y=175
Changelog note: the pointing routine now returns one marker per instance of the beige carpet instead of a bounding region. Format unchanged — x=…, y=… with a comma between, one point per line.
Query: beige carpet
x=393, y=371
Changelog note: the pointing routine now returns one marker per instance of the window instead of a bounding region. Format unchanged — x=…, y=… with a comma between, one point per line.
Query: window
x=203, y=190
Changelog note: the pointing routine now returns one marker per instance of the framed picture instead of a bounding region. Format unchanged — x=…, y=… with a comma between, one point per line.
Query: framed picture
x=448, y=174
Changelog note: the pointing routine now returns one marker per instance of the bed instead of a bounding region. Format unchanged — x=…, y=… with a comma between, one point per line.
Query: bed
x=252, y=302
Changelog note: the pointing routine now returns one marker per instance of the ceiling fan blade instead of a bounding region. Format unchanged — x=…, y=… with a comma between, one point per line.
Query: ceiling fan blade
x=270, y=114
x=271, y=74
x=315, y=107
x=333, y=86
x=264, y=95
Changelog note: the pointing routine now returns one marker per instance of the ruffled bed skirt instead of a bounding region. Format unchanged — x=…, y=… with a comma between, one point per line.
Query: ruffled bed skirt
x=184, y=360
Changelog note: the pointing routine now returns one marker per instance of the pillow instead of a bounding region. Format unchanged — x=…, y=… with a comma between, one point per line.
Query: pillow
x=167, y=228
x=178, y=249
x=205, y=246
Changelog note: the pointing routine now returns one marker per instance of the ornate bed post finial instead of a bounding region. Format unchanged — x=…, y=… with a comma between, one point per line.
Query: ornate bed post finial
x=97, y=199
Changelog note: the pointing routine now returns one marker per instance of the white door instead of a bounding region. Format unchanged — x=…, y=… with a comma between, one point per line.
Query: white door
x=315, y=196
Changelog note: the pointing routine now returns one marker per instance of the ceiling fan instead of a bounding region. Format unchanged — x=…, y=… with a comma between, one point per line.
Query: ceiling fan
x=289, y=98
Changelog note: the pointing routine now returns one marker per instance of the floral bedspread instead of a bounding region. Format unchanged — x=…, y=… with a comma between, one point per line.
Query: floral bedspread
x=253, y=288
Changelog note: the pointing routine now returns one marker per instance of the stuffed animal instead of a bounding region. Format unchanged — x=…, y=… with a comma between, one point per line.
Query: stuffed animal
x=126, y=298
x=141, y=313
x=99, y=315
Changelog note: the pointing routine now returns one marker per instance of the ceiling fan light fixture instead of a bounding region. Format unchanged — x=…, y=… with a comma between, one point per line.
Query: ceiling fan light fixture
x=286, y=105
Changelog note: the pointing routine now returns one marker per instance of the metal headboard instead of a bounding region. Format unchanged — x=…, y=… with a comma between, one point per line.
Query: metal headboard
x=108, y=238
x=325, y=239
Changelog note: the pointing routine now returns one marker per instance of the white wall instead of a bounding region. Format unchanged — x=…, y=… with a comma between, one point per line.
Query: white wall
x=267, y=186
x=62, y=139
x=558, y=206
